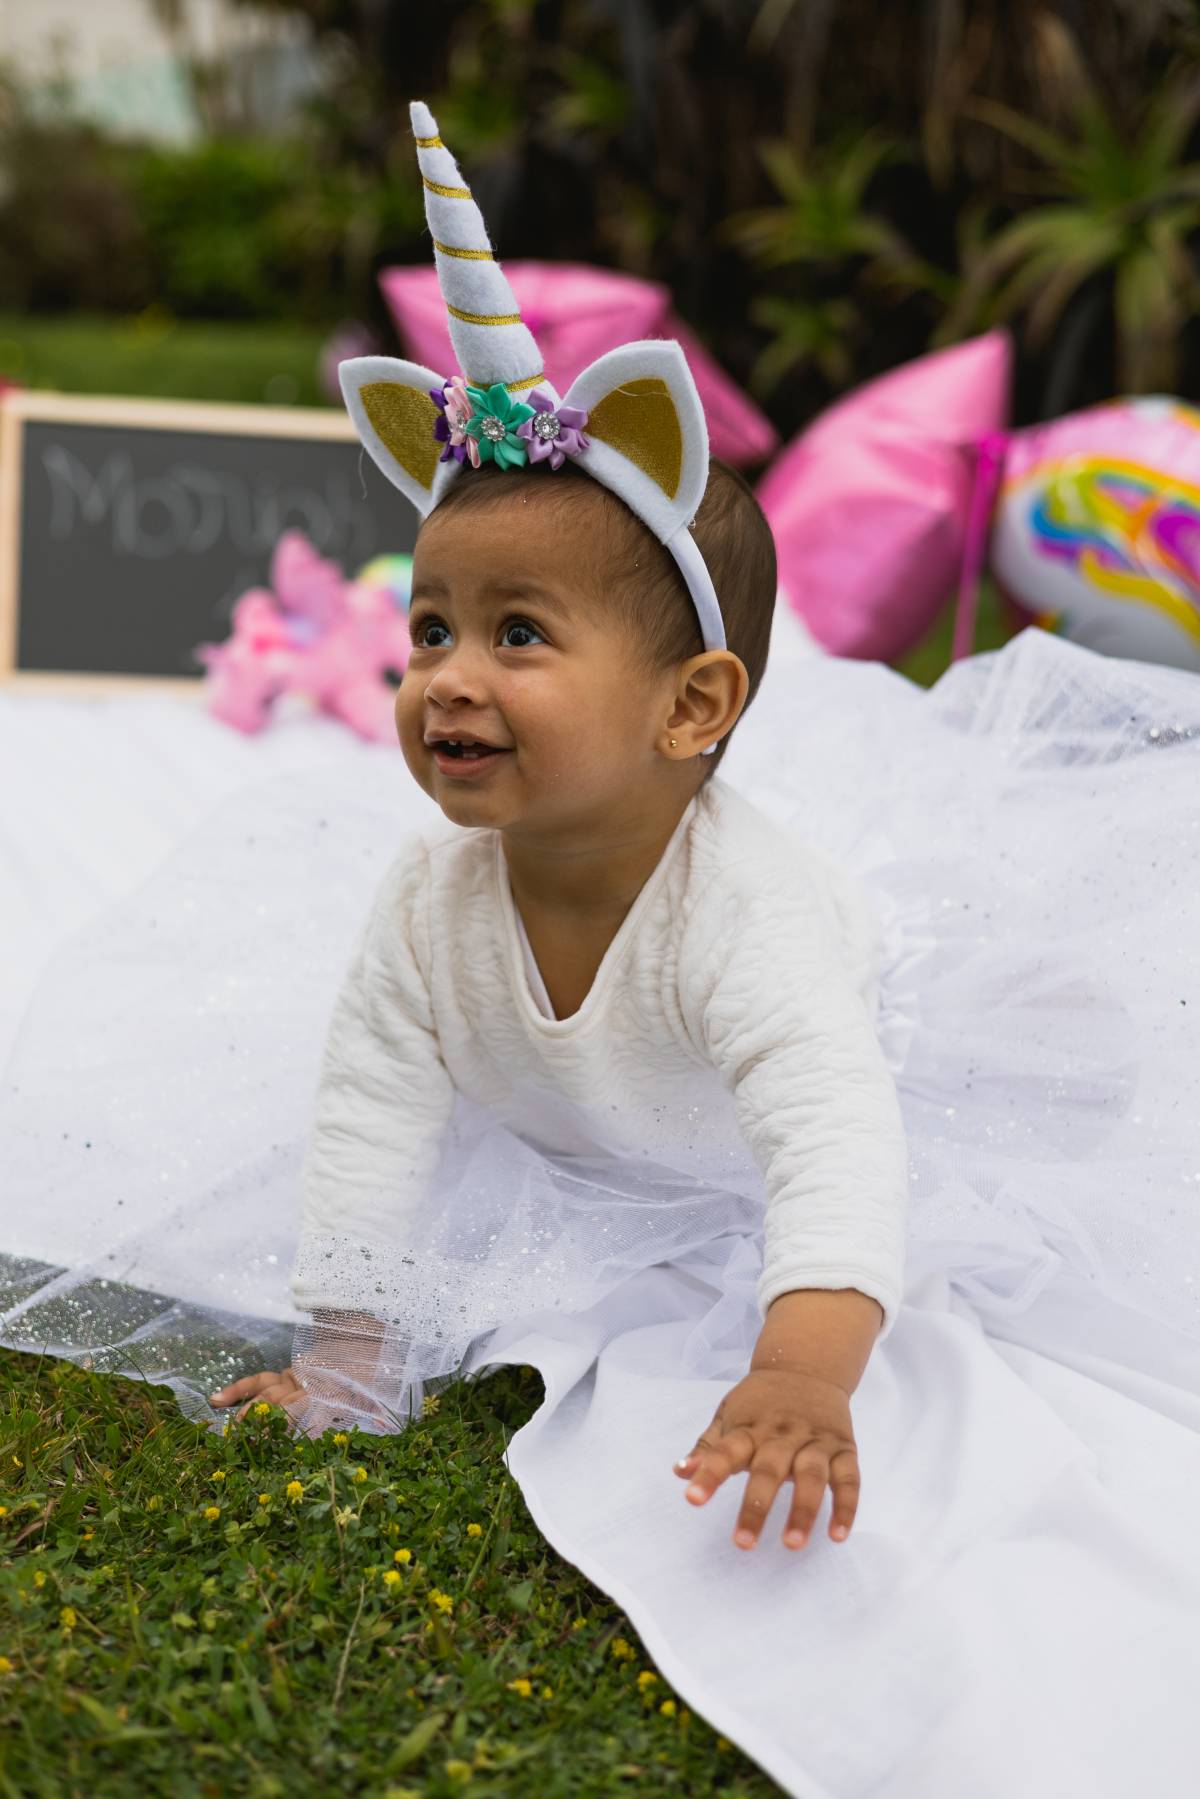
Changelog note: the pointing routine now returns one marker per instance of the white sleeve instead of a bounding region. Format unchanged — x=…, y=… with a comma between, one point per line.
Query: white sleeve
x=384, y=1096
x=778, y=985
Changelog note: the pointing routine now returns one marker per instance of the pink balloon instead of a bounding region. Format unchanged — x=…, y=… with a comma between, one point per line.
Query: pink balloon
x=869, y=504
x=576, y=312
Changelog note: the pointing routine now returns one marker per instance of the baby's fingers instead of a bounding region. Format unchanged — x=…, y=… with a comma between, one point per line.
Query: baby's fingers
x=812, y=1471
x=732, y=1453
x=846, y=1482
x=810, y=1475
x=276, y=1395
x=246, y=1388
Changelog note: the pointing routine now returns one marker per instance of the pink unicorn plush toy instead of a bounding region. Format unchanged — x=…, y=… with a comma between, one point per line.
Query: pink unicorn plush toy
x=343, y=643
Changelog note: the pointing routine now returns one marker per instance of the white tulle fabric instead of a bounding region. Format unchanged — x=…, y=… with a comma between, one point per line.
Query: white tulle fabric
x=1015, y=1609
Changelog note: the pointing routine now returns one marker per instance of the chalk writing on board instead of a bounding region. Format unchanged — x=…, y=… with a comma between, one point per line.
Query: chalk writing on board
x=186, y=509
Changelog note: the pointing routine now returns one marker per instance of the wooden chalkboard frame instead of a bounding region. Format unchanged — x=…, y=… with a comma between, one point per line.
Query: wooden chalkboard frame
x=19, y=405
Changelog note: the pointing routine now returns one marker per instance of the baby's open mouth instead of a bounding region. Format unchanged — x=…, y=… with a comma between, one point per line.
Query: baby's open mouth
x=459, y=751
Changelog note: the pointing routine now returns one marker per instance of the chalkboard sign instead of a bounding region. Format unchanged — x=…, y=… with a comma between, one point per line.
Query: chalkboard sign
x=128, y=528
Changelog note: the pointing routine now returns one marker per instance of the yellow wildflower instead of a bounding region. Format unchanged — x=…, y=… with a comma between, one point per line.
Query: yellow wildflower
x=443, y=1601
x=579, y=1624
x=262, y=1408
x=621, y=1649
x=39, y=1579
x=218, y=1474
x=359, y=1475
x=153, y=1503
x=212, y=1511
x=3, y=1511
x=294, y=1489
x=6, y=1667
x=87, y=1536
x=340, y=1438
x=264, y=1499
x=647, y=1677
x=429, y=1405
x=474, y=1530
x=667, y=1708
x=524, y=1687
x=723, y=1743
x=391, y=1578
x=17, y=1462
x=458, y=1770
x=547, y=1692
x=225, y=1428
x=67, y=1617
x=403, y=1555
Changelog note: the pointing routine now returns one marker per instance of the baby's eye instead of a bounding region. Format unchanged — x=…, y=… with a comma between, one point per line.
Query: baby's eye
x=419, y=632
x=521, y=624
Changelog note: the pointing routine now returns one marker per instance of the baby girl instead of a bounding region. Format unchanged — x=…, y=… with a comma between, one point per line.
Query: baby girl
x=604, y=921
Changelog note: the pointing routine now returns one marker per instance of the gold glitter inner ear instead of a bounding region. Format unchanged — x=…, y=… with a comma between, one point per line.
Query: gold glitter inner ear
x=403, y=419
x=639, y=419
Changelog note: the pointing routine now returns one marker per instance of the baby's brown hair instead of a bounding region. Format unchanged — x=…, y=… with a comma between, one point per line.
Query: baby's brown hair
x=642, y=581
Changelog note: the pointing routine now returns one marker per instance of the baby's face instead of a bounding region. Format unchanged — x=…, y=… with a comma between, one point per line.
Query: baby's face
x=512, y=644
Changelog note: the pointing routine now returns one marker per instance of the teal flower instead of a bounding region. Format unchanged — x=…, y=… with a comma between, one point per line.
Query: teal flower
x=492, y=430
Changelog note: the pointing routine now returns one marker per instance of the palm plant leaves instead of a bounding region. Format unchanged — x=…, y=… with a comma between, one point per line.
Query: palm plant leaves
x=1121, y=207
x=823, y=217
x=822, y=224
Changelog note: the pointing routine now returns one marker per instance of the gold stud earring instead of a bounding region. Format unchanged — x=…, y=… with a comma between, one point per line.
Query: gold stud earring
x=674, y=745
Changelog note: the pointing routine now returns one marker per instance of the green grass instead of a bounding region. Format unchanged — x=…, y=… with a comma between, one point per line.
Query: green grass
x=153, y=1649
x=160, y=357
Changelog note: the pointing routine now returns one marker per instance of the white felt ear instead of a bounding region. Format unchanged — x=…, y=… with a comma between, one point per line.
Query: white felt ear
x=646, y=431
x=388, y=400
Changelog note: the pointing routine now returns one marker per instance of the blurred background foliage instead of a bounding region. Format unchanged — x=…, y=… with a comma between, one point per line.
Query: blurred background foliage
x=828, y=187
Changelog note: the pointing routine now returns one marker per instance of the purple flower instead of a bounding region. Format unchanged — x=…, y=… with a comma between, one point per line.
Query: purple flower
x=451, y=399
x=553, y=432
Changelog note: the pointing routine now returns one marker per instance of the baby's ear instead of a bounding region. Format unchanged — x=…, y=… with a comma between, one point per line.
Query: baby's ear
x=646, y=431
x=389, y=402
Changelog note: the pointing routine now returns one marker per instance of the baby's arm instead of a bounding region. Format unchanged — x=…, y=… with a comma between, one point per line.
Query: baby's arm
x=384, y=1098
x=778, y=968
x=777, y=984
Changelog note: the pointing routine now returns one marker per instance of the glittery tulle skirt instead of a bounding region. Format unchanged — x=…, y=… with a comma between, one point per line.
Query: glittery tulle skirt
x=1028, y=833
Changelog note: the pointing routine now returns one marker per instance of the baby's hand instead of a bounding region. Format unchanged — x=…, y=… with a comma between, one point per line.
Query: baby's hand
x=273, y=1389
x=322, y=1405
x=781, y=1426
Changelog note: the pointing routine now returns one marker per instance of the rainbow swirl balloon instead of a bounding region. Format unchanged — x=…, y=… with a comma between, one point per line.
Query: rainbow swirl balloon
x=1097, y=528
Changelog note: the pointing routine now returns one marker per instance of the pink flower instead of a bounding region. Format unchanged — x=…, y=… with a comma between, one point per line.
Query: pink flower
x=455, y=409
x=553, y=432
x=458, y=408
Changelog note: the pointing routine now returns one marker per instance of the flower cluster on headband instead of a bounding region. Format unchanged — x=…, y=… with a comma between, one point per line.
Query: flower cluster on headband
x=487, y=424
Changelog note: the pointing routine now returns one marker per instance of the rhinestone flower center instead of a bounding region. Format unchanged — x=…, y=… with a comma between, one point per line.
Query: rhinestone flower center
x=493, y=428
x=546, y=426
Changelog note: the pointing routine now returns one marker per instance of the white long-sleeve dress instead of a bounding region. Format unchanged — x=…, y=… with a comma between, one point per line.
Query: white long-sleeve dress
x=729, y=1028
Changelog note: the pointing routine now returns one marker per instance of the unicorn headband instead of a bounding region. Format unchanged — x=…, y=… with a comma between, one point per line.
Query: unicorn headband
x=646, y=437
